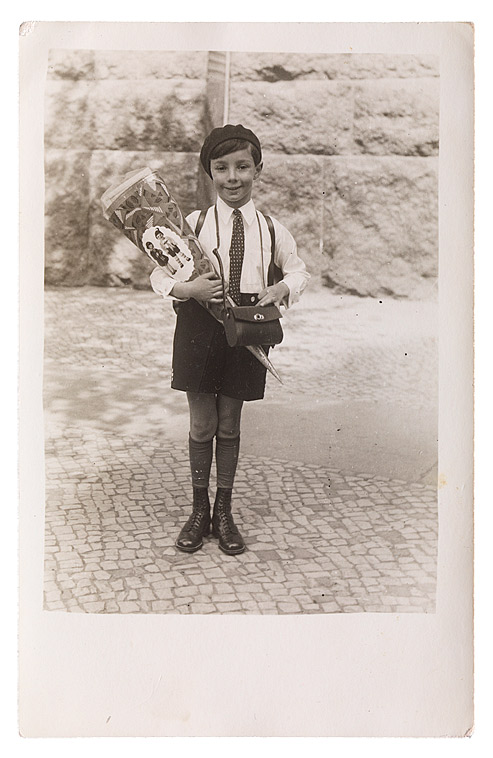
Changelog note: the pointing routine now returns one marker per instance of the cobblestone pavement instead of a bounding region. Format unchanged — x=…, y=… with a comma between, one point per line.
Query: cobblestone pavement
x=319, y=539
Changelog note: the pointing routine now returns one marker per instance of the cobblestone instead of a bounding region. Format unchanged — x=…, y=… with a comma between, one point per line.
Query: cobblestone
x=319, y=540
x=265, y=577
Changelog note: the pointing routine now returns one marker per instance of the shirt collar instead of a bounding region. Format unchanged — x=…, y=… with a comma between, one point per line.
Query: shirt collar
x=225, y=212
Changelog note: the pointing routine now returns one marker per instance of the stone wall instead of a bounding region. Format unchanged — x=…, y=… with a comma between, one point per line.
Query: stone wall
x=350, y=158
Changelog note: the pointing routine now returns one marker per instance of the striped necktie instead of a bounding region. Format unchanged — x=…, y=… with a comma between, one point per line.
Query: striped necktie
x=236, y=253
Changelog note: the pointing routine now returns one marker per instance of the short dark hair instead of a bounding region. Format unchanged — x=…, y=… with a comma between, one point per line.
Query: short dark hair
x=231, y=146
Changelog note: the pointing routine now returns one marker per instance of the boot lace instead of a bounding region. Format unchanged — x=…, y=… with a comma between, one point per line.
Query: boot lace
x=195, y=520
x=226, y=523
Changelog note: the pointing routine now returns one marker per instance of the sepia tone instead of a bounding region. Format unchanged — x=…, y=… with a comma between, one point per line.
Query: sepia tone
x=337, y=484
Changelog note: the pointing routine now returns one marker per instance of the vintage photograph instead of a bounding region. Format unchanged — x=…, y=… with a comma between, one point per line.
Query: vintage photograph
x=245, y=396
x=241, y=332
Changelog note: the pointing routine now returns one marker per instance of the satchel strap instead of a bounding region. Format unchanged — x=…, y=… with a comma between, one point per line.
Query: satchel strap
x=216, y=253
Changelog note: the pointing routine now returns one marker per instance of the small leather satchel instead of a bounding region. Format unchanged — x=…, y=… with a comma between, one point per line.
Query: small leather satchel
x=252, y=324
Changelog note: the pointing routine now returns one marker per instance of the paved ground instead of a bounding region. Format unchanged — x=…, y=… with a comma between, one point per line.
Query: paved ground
x=340, y=514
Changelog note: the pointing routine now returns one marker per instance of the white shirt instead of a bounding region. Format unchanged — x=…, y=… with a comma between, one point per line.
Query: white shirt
x=255, y=265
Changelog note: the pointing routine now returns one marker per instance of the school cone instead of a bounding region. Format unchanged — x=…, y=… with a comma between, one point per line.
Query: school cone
x=141, y=206
x=261, y=356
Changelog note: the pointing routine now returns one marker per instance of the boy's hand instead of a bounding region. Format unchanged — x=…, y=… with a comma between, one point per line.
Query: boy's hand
x=274, y=294
x=207, y=288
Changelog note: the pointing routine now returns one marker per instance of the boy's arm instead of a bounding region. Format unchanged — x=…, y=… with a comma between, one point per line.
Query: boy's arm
x=295, y=276
x=204, y=288
x=162, y=284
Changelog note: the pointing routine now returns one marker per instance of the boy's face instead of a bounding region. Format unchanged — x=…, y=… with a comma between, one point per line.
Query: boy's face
x=233, y=176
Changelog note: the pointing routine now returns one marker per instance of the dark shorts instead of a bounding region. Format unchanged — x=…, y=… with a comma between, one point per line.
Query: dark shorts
x=204, y=362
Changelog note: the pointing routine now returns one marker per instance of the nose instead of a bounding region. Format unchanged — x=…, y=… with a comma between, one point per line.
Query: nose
x=231, y=174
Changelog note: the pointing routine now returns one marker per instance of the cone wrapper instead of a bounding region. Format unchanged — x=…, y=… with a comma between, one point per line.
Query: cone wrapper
x=142, y=207
x=261, y=356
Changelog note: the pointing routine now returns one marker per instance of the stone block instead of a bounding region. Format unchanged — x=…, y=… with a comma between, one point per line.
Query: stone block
x=274, y=67
x=396, y=117
x=296, y=117
x=150, y=64
x=125, y=115
x=69, y=114
x=71, y=64
x=381, y=226
x=381, y=66
x=126, y=64
x=138, y=115
x=66, y=217
x=290, y=188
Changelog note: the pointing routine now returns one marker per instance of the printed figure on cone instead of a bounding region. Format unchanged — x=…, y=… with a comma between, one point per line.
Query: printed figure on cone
x=160, y=258
x=170, y=247
x=218, y=378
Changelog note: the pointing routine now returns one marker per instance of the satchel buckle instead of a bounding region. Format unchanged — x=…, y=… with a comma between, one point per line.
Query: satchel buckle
x=258, y=317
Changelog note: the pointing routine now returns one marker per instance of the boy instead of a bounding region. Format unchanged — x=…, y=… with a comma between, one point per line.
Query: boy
x=216, y=377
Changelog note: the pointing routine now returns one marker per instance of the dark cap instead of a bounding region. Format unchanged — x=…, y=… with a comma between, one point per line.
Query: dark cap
x=222, y=134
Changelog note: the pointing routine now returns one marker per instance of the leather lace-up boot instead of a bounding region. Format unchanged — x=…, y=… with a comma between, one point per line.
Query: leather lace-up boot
x=198, y=525
x=223, y=526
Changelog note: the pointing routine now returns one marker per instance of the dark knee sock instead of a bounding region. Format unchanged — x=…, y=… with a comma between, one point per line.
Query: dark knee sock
x=200, y=461
x=227, y=451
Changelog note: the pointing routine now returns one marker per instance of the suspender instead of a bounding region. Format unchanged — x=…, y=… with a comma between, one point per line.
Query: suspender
x=200, y=221
x=274, y=273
